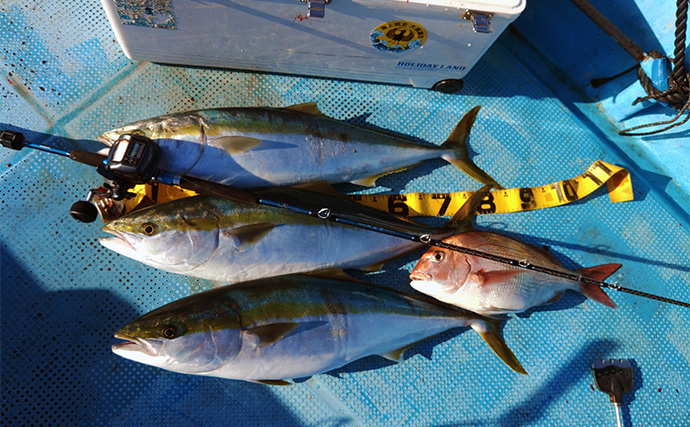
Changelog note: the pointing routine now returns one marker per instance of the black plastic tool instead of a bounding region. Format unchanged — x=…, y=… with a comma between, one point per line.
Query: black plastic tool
x=615, y=378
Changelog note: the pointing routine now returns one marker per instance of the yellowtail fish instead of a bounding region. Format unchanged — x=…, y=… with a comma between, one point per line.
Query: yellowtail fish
x=276, y=329
x=264, y=147
x=229, y=241
x=492, y=288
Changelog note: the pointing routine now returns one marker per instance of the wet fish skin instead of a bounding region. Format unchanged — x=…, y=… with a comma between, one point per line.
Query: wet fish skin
x=492, y=288
x=262, y=147
x=229, y=241
x=288, y=327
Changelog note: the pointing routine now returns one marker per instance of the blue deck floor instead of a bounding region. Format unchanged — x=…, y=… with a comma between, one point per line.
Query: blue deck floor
x=63, y=295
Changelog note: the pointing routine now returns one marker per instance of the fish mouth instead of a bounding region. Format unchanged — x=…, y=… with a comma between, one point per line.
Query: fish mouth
x=109, y=138
x=118, y=242
x=417, y=276
x=134, y=346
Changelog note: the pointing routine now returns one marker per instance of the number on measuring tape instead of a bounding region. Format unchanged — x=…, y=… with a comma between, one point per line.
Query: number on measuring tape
x=444, y=206
x=487, y=206
x=527, y=198
x=397, y=206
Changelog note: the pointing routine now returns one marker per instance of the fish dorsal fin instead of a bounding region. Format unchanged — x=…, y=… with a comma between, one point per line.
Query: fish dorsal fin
x=397, y=354
x=490, y=330
x=270, y=334
x=236, y=144
x=306, y=108
x=250, y=234
x=272, y=382
x=462, y=220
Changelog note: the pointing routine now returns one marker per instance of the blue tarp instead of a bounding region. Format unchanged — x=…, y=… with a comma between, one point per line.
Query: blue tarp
x=63, y=295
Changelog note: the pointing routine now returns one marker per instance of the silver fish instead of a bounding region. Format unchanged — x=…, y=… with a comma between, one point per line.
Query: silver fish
x=263, y=147
x=492, y=288
x=230, y=241
x=273, y=330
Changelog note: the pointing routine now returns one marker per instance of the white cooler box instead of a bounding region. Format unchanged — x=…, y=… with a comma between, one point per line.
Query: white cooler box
x=412, y=42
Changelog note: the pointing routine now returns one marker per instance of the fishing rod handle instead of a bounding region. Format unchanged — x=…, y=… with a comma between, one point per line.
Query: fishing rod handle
x=11, y=139
x=87, y=158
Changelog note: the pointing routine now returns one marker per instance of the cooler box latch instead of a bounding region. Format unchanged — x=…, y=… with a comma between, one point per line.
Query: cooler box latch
x=481, y=21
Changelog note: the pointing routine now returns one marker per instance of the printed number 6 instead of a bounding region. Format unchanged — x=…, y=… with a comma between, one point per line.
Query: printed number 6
x=397, y=206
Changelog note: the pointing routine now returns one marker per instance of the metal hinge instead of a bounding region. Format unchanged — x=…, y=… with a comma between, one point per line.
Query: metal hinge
x=316, y=8
x=481, y=21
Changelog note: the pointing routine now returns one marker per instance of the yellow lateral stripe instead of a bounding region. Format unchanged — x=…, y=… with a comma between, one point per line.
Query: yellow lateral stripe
x=558, y=193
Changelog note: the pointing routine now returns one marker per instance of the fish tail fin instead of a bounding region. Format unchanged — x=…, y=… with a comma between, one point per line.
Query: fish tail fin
x=457, y=142
x=490, y=330
x=461, y=221
x=598, y=272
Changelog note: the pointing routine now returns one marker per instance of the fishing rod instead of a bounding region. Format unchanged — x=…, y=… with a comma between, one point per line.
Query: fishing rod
x=133, y=159
x=427, y=240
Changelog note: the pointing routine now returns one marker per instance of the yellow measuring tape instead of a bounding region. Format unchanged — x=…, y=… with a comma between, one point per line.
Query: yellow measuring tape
x=559, y=193
x=509, y=200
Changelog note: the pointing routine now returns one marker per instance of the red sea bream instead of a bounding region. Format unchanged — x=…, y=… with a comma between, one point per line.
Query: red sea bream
x=492, y=288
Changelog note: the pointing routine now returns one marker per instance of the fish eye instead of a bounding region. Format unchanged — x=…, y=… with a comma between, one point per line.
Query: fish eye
x=149, y=229
x=169, y=332
x=438, y=256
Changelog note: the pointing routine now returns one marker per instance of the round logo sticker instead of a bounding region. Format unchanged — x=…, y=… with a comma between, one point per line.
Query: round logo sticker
x=398, y=36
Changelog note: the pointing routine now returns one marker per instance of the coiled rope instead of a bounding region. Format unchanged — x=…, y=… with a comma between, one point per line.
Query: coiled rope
x=678, y=93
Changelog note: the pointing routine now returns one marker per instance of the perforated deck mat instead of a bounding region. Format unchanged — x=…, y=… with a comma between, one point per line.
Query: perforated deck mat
x=63, y=295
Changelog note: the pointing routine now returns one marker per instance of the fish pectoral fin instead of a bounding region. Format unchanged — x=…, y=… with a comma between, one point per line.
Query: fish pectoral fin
x=270, y=334
x=490, y=330
x=236, y=144
x=495, y=277
x=272, y=382
x=555, y=298
x=306, y=108
x=250, y=234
